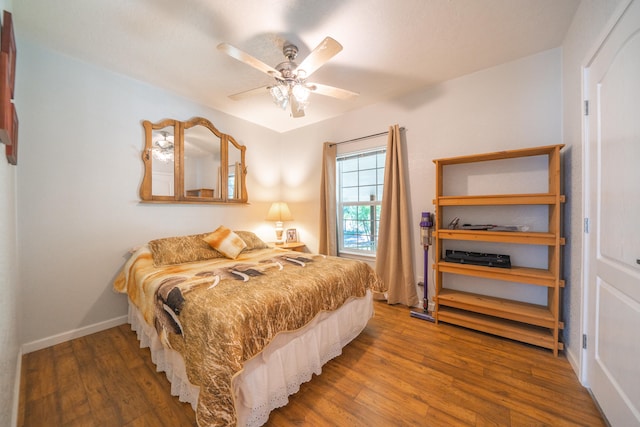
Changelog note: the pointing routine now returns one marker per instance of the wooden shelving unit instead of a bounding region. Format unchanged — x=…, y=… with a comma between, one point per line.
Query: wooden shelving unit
x=539, y=325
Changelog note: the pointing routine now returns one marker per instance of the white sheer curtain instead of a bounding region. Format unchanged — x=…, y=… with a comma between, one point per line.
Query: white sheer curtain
x=394, y=259
x=328, y=244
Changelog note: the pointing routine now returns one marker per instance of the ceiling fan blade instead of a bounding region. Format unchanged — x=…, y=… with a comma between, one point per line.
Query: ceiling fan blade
x=296, y=111
x=326, y=50
x=335, y=92
x=248, y=93
x=241, y=56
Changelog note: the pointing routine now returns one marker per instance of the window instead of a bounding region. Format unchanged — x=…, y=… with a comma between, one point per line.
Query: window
x=360, y=184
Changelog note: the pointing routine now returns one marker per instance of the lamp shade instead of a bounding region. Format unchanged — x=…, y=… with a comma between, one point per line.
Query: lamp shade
x=279, y=211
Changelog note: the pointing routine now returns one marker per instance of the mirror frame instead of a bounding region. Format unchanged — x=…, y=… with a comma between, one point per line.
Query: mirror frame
x=179, y=195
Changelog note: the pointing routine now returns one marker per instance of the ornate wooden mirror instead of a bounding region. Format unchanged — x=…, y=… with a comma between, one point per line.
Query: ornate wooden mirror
x=192, y=162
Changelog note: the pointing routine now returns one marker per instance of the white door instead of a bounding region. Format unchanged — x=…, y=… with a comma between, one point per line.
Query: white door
x=612, y=257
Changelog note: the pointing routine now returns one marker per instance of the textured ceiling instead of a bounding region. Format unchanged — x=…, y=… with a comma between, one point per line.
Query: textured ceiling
x=390, y=47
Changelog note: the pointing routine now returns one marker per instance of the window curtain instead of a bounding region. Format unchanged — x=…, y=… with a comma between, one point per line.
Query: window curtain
x=394, y=259
x=328, y=244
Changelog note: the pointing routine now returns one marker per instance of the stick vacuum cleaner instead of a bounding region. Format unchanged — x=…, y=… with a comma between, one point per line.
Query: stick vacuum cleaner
x=426, y=224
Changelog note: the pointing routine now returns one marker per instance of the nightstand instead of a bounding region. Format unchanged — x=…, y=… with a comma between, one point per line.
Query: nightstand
x=292, y=246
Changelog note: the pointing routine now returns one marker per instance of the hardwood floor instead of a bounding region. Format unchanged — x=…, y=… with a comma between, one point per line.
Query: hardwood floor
x=400, y=371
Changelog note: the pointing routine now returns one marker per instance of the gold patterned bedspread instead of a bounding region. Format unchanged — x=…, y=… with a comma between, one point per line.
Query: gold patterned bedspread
x=219, y=313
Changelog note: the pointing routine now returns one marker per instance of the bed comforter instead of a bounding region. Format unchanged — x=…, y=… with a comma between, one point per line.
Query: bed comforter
x=219, y=313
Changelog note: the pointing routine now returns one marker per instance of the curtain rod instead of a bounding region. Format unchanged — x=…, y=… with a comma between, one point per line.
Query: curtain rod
x=363, y=137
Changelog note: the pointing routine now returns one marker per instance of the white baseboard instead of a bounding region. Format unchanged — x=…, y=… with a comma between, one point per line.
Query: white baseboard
x=574, y=362
x=16, y=390
x=76, y=333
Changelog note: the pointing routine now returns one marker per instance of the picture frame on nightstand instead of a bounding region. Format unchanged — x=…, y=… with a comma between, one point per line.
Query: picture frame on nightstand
x=292, y=235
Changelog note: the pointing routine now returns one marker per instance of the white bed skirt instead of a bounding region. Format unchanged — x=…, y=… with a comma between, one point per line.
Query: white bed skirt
x=269, y=378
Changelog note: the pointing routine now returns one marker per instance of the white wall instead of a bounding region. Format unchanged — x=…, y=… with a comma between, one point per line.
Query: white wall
x=79, y=173
x=513, y=105
x=584, y=35
x=9, y=285
x=9, y=289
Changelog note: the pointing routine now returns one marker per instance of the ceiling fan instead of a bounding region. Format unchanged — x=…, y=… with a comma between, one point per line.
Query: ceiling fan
x=291, y=86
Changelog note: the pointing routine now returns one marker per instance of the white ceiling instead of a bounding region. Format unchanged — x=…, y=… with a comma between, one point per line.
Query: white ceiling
x=390, y=47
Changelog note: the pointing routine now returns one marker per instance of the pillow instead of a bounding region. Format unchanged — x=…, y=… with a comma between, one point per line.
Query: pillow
x=252, y=241
x=226, y=242
x=177, y=250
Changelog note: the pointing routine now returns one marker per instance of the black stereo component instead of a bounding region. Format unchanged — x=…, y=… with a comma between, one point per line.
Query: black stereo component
x=477, y=258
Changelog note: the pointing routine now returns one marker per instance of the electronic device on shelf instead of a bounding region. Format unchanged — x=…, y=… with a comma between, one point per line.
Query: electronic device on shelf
x=478, y=258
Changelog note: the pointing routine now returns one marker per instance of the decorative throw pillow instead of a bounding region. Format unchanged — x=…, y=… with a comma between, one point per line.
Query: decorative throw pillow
x=252, y=241
x=226, y=242
x=177, y=250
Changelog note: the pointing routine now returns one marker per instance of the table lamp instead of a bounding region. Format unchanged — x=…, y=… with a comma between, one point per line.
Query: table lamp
x=279, y=212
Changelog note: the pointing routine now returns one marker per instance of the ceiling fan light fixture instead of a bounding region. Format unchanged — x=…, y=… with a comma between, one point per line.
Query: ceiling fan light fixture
x=166, y=141
x=301, y=106
x=165, y=156
x=301, y=93
x=163, y=148
x=280, y=95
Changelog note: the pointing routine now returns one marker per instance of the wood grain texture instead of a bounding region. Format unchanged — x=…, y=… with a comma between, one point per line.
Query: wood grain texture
x=400, y=371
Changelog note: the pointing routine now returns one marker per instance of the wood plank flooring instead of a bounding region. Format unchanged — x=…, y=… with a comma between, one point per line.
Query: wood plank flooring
x=401, y=371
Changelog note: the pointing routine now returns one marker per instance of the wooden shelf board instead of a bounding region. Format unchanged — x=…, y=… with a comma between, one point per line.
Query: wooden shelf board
x=500, y=199
x=541, y=337
x=499, y=155
x=532, y=276
x=530, y=238
x=498, y=307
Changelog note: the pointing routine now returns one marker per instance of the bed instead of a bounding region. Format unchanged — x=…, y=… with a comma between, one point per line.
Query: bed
x=238, y=325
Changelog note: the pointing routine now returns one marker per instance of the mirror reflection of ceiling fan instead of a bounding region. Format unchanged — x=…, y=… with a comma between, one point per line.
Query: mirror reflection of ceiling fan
x=163, y=147
x=291, y=87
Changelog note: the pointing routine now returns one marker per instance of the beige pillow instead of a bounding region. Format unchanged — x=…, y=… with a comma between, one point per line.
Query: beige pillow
x=252, y=241
x=177, y=250
x=226, y=242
